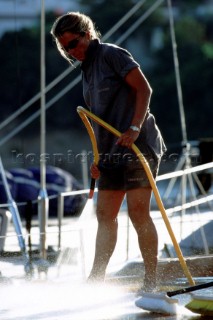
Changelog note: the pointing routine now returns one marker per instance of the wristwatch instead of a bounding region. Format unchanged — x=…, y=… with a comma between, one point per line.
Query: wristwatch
x=135, y=128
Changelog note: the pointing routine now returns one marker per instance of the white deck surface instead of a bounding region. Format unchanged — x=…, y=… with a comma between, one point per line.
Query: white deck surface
x=63, y=294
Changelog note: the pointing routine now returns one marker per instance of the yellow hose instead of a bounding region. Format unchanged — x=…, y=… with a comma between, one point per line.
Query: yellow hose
x=94, y=147
x=84, y=113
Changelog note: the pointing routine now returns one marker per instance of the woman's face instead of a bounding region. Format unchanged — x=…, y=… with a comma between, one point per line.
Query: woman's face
x=75, y=44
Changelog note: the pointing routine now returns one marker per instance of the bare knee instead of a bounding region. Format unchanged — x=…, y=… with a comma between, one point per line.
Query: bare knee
x=139, y=207
x=142, y=225
x=108, y=206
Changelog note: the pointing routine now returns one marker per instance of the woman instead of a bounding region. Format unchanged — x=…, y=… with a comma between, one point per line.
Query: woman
x=116, y=90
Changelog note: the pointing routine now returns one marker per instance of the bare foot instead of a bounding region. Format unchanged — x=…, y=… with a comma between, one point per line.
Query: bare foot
x=93, y=279
x=149, y=285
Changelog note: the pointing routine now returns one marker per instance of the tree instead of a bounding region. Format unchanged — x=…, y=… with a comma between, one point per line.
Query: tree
x=196, y=70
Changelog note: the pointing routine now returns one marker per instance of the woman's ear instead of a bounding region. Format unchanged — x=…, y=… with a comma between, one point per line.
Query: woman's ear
x=88, y=35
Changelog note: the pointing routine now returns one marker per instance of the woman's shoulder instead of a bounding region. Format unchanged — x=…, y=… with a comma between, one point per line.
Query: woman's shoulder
x=113, y=48
x=113, y=54
x=116, y=58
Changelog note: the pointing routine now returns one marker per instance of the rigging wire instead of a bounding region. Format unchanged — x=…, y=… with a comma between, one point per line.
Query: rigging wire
x=31, y=118
x=18, y=77
x=73, y=83
x=123, y=20
x=139, y=21
x=43, y=207
x=177, y=74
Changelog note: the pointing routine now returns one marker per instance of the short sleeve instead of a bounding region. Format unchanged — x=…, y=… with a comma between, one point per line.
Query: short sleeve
x=119, y=59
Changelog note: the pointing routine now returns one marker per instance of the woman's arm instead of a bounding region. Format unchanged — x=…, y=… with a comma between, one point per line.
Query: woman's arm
x=137, y=81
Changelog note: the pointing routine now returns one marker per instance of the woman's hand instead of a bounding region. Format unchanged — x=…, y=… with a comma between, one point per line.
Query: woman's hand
x=128, y=138
x=94, y=171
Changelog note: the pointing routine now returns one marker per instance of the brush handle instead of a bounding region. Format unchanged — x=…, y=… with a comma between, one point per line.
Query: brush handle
x=92, y=188
x=190, y=289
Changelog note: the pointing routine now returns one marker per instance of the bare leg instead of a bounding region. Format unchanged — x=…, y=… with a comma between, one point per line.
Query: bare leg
x=108, y=205
x=139, y=212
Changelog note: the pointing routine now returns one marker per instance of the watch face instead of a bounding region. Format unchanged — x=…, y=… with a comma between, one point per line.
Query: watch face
x=134, y=128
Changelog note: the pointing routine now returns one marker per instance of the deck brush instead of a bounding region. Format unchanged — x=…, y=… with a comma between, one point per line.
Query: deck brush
x=201, y=304
x=161, y=302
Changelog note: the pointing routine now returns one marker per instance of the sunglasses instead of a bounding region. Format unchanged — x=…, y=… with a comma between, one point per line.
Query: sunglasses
x=73, y=43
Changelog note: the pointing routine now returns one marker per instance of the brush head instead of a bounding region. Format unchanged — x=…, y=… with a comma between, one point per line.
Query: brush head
x=158, y=303
x=201, y=304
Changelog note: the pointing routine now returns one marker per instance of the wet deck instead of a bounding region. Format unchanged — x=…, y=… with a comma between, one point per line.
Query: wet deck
x=55, y=298
x=62, y=292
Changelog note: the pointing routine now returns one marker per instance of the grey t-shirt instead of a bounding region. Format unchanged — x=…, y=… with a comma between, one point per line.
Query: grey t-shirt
x=109, y=97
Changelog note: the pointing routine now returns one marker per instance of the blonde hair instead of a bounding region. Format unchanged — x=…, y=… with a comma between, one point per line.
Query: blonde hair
x=76, y=23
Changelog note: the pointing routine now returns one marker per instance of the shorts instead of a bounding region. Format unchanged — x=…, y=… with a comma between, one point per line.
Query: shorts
x=127, y=176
